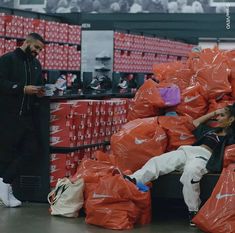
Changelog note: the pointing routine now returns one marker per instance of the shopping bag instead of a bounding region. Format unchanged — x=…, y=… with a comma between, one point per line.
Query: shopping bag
x=193, y=102
x=137, y=142
x=212, y=72
x=178, y=129
x=91, y=171
x=67, y=197
x=218, y=213
x=173, y=72
x=229, y=155
x=147, y=101
x=117, y=203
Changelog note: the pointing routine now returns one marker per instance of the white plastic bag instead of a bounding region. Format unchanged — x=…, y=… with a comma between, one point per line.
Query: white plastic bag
x=67, y=197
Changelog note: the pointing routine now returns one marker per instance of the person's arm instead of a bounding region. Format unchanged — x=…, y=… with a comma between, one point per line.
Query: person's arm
x=39, y=81
x=10, y=87
x=7, y=86
x=206, y=117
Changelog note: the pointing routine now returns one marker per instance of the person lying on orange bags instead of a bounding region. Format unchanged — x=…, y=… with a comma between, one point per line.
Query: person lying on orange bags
x=205, y=155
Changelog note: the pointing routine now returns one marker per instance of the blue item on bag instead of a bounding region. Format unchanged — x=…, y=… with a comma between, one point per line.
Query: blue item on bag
x=171, y=114
x=142, y=187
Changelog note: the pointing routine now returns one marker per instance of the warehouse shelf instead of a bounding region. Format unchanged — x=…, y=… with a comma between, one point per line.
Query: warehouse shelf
x=77, y=148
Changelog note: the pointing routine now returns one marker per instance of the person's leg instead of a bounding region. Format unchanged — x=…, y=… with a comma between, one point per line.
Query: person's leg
x=26, y=147
x=29, y=145
x=3, y=186
x=160, y=165
x=10, y=129
x=194, y=170
x=192, y=174
x=12, y=169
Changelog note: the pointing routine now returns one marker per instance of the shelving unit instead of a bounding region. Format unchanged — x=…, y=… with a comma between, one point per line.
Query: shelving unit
x=62, y=49
x=81, y=125
x=138, y=53
x=130, y=54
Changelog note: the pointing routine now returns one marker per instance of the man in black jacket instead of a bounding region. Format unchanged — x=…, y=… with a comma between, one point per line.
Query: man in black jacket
x=20, y=91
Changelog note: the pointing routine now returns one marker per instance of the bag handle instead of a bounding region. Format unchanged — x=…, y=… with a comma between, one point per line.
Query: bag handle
x=55, y=194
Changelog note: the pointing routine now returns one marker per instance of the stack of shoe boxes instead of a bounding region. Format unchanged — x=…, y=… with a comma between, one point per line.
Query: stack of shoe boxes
x=82, y=122
x=62, y=165
x=2, y=45
x=61, y=125
x=55, y=56
x=10, y=45
x=2, y=24
x=62, y=134
x=74, y=34
x=14, y=26
x=74, y=57
x=39, y=26
x=28, y=26
x=137, y=53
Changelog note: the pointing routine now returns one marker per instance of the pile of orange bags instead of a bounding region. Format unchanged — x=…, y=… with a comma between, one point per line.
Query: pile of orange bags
x=116, y=203
x=218, y=214
x=137, y=142
x=206, y=76
x=110, y=200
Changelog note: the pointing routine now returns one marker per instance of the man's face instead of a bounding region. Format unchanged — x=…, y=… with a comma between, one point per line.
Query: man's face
x=34, y=47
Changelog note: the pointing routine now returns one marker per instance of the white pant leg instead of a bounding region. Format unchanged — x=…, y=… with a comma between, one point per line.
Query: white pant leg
x=194, y=170
x=160, y=165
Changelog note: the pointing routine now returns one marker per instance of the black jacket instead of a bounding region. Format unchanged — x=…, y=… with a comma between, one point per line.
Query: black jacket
x=215, y=163
x=16, y=71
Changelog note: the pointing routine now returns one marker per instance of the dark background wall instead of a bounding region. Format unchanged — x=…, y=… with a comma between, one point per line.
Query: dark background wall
x=182, y=27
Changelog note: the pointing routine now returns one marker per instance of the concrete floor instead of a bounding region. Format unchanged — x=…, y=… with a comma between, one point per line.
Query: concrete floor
x=35, y=218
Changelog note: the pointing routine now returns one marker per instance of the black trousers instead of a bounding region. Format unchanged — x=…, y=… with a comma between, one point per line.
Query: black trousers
x=19, y=147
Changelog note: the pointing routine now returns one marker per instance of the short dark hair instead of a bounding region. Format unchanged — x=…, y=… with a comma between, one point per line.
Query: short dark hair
x=35, y=36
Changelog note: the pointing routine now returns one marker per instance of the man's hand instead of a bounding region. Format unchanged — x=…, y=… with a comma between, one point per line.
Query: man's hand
x=41, y=92
x=34, y=90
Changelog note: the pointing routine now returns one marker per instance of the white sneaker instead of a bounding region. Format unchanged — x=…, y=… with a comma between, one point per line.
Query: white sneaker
x=6, y=195
x=14, y=202
x=123, y=84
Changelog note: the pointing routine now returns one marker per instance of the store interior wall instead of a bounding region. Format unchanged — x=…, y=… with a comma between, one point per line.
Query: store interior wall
x=112, y=6
x=225, y=45
x=95, y=43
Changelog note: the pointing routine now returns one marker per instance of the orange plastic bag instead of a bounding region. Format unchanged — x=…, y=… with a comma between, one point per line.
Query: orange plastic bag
x=211, y=71
x=193, y=102
x=137, y=142
x=231, y=63
x=117, y=204
x=91, y=171
x=229, y=155
x=147, y=101
x=218, y=213
x=215, y=79
x=213, y=105
x=207, y=57
x=174, y=73
x=178, y=129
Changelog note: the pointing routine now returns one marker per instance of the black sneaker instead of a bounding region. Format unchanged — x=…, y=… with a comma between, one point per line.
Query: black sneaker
x=95, y=84
x=133, y=180
x=192, y=214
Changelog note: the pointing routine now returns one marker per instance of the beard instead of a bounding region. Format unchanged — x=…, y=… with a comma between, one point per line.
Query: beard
x=30, y=53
